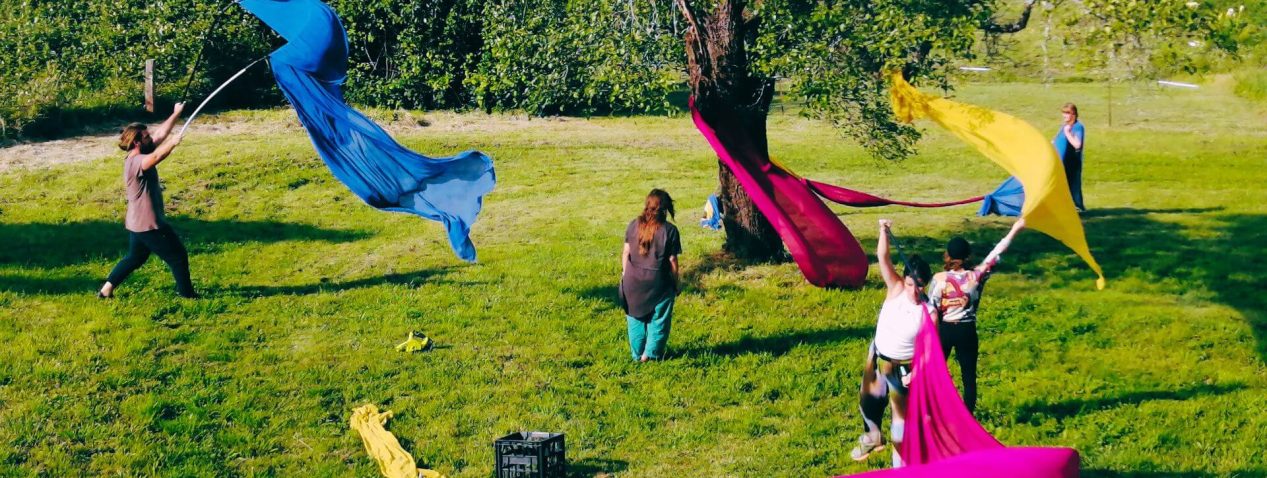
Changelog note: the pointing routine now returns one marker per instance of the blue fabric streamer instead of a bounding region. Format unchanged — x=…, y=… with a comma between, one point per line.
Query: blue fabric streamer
x=1009, y=197
x=1004, y=201
x=310, y=70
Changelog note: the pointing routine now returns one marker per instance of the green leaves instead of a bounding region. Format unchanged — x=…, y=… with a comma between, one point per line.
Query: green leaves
x=577, y=57
x=833, y=55
x=567, y=56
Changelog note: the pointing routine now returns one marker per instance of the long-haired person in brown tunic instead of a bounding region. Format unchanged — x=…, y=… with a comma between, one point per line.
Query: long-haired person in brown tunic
x=649, y=276
x=148, y=231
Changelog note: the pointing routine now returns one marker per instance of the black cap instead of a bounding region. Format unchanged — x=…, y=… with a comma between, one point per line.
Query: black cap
x=958, y=248
x=917, y=268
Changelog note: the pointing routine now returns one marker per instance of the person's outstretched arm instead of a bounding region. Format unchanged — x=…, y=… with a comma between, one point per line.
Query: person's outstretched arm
x=161, y=131
x=161, y=152
x=891, y=279
x=993, y=257
x=166, y=142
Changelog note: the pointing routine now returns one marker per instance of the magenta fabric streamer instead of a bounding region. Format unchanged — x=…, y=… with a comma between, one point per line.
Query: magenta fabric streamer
x=994, y=462
x=849, y=197
x=943, y=440
x=824, y=249
x=938, y=424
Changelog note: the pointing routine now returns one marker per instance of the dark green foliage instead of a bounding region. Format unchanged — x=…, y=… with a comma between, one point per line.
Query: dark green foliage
x=412, y=54
x=74, y=62
x=69, y=62
x=588, y=56
x=835, y=53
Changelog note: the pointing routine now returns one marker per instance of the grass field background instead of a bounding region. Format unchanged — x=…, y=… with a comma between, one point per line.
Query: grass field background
x=307, y=291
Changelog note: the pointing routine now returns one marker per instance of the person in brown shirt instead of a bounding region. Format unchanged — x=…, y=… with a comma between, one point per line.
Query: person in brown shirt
x=148, y=231
x=649, y=276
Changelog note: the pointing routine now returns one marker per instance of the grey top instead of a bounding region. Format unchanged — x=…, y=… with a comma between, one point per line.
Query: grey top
x=145, y=196
x=648, y=279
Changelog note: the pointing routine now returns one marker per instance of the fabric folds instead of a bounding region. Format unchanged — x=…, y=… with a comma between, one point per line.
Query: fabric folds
x=310, y=69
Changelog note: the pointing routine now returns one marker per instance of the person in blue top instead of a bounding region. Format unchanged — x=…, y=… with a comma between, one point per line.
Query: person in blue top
x=1069, y=143
x=1009, y=197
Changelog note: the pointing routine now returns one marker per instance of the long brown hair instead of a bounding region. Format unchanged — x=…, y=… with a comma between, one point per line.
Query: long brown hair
x=130, y=135
x=655, y=211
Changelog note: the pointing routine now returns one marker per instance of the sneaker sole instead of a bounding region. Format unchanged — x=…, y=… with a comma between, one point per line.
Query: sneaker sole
x=868, y=454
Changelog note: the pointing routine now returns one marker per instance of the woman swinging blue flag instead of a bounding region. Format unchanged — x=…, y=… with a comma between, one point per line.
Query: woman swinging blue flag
x=1008, y=198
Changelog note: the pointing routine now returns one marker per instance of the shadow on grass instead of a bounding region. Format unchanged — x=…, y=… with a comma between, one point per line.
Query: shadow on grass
x=48, y=286
x=596, y=467
x=777, y=345
x=66, y=244
x=1221, y=255
x=692, y=277
x=1070, y=408
x=607, y=295
x=408, y=279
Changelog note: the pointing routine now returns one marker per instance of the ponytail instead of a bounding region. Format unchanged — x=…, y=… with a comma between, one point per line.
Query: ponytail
x=656, y=210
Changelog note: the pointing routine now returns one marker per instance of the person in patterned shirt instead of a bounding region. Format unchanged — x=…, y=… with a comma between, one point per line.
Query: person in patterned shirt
x=956, y=294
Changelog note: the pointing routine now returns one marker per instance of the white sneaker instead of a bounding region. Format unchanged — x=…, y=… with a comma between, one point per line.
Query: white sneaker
x=866, y=446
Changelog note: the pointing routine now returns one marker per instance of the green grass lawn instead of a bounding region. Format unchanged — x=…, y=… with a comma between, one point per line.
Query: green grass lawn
x=308, y=290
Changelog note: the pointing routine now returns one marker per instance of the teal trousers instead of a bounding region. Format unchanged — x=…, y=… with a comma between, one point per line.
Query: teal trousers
x=648, y=336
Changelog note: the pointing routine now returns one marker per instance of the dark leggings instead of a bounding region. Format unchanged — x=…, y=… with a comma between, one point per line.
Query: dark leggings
x=1073, y=172
x=167, y=246
x=962, y=336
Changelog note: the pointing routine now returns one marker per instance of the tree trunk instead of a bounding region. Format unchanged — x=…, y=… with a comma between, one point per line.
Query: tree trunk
x=724, y=87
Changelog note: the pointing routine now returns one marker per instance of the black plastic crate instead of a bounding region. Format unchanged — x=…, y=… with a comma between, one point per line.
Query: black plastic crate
x=531, y=455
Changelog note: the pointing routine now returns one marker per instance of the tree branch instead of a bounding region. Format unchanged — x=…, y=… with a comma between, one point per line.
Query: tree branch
x=994, y=27
x=688, y=13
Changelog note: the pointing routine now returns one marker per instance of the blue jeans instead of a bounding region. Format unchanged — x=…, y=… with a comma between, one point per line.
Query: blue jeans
x=649, y=335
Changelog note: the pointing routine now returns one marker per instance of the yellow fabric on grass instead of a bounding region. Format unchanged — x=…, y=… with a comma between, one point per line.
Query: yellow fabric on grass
x=1016, y=146
x=393, y=461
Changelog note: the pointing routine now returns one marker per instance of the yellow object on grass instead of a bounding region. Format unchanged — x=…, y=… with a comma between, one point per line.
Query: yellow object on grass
x=415, y=343
x=393, y=461
x=1016, y=146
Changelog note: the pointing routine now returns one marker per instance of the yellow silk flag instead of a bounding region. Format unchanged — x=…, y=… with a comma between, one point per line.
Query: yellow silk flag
x=1016, y=146
x=393, y=461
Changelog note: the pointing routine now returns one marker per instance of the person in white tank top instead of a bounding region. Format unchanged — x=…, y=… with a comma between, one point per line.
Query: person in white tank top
x=886, y=373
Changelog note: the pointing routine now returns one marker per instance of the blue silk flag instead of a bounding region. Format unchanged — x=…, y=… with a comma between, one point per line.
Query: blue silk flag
x=1008, y=198
x=310, y=70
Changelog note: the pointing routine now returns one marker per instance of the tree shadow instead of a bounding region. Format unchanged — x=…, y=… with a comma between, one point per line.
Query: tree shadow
x=596, y=467
x=411, y=280
x=48, y=286
x=777, y=345
x=693, y=277
x=1221, y=255
x=1127, y=211
x=607, y=295
x=1069, y=408
x=64, y=244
